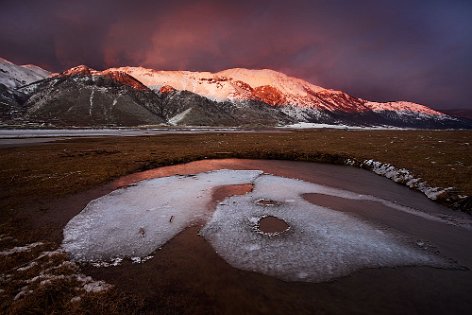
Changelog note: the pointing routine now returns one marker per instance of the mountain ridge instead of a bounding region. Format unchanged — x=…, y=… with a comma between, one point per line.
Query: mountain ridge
x=14, y=76
x=235, y=97
x=295, y=88
x=294, y=97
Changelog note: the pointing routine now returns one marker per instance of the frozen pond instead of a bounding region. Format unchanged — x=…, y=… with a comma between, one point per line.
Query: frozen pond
x=323, y=241
x=346, y=215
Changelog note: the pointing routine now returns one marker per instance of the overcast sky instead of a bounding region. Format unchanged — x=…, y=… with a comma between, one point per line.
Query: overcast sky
x=379, y=50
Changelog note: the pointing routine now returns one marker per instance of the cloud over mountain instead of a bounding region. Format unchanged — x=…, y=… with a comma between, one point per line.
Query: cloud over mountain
x=375, y=50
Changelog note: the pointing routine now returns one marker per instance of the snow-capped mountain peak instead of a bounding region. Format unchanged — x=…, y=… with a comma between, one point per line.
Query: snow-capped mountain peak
x=271, y=87
x=235, y=96
x=403, y=106
x=83, y=72
x=38, y=70
x=289, y=86
x=228, y=85
x=14, y=76
x=238, y=84
x=78, y=70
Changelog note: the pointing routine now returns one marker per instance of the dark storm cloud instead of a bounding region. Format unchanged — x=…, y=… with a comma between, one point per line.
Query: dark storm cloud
x=378, y=50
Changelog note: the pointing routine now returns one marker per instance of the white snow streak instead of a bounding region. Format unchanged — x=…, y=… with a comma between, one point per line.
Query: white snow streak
x=177, y=118
x=47, y=268
x=114, y=102
x=91, y=102
x=20, y=249
x=403, y=176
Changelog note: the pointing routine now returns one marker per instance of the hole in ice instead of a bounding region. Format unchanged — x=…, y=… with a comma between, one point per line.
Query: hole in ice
x=142, y=231
x=222, y=192
x=270, y=225
x=267, y=203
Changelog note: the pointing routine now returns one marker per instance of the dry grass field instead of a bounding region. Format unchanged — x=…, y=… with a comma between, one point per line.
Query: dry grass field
x=442, y=158
x=32, y=174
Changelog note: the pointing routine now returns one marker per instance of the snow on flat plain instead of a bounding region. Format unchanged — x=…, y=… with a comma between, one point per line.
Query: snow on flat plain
x=321, y=244
x=306, y=125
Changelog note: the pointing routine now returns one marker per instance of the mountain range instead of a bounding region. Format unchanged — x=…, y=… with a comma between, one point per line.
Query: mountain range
x=134, y=96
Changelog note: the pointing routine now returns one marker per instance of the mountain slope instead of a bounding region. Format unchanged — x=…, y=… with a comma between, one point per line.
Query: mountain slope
x=11, y=102
x=296, y=98
x=131, y=96
x=460, y=113
x=187, y=108
x=14, y=76
x=11, y=77
x=84, y=97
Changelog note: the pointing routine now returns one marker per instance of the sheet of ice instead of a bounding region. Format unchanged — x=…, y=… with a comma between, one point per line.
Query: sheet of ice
x=136, y=220
x=321, y=244
x=462, y=221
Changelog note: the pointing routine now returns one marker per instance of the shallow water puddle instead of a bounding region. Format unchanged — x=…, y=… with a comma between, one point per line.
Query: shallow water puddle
x=313, y=243
x=270, y=225
x=221, y=193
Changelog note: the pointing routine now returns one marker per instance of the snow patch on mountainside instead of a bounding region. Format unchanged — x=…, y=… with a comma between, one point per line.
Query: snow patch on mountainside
x=404, y=108
x=177, y=118
x=38, y=70
x=228, y=85
x=14, y=76
x=202, y=83
x=296, y=97
x=289, y=86
x=292, y=99
x=91, y=102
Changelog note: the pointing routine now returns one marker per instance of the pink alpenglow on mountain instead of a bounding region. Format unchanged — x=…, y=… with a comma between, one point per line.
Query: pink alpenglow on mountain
x=235, y=97
x=268, y=86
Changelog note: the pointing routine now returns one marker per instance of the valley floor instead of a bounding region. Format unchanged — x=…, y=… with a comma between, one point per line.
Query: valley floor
x=35, y=175
x=44, y=170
